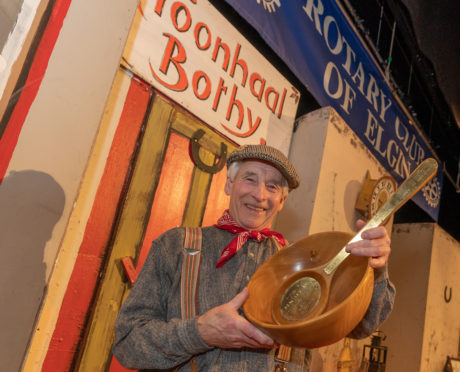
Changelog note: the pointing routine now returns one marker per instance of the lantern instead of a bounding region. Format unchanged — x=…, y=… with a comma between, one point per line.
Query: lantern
x=374, y=355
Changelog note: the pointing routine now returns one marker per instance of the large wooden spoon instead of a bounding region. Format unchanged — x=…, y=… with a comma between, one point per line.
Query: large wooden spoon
x=305, y=294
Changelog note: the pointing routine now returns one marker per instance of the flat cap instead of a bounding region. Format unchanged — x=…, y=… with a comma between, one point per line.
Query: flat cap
x=270, y=155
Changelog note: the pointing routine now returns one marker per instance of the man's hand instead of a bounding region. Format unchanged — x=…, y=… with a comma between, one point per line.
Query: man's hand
x=375, y=243
x=223, y=327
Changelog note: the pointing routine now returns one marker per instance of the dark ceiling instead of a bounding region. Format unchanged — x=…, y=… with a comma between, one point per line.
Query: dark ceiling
x=436, y=25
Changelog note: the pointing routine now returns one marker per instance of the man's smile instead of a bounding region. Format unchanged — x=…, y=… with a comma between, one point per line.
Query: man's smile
x=255, y=208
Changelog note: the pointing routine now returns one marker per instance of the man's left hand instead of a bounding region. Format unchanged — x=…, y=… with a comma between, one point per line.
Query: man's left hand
x=375, y=243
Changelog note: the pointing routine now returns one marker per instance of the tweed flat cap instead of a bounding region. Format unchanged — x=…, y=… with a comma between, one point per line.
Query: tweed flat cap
x=270, y=155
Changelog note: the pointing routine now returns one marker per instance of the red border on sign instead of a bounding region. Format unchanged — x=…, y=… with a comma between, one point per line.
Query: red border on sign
x=30, y=89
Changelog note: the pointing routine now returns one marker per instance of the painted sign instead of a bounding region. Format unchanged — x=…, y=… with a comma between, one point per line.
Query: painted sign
x=319, y=45
x=191, y=53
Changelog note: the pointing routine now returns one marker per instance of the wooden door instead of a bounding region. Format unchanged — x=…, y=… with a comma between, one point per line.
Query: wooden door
x=168, y=188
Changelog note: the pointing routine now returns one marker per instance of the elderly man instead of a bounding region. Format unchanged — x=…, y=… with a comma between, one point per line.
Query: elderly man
x=150, y=332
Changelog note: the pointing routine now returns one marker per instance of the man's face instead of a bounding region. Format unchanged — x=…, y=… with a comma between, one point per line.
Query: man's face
x=256, y=195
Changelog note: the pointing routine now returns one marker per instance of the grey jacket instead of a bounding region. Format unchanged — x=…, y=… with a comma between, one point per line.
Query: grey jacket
x=149, y=331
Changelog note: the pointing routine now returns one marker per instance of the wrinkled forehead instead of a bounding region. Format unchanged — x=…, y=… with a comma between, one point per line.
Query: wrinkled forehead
x=262, y=169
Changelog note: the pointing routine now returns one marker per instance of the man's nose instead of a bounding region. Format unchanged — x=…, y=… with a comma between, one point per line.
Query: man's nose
x=260, y=192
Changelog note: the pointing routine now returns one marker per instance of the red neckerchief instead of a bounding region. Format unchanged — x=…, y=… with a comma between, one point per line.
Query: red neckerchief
x=226, y=222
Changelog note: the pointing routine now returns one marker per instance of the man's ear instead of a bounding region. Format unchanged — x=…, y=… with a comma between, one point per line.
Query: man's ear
x=228, y=186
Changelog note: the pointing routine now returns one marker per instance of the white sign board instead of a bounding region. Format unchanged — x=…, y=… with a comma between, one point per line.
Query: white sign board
x=192, y=54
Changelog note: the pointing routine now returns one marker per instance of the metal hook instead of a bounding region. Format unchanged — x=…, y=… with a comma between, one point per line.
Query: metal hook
x=196, y=154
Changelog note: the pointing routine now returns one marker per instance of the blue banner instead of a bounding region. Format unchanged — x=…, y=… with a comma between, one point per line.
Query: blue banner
x=317, y=42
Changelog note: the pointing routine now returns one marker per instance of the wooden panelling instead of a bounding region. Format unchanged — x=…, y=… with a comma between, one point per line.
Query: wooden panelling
x=171, y=195
x=217, y=200
x=128, y=238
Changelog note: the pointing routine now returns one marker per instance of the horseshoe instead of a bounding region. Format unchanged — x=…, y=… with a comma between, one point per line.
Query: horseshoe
x=447, y=298
x=196, y=154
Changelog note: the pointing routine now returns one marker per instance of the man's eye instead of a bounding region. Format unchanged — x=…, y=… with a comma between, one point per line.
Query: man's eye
x=272, y=187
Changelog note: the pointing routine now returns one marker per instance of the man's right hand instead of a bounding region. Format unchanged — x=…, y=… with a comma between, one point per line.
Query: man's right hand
x=223, y=327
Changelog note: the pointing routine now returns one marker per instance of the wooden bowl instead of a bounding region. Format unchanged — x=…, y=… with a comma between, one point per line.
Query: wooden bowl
x=350, y=292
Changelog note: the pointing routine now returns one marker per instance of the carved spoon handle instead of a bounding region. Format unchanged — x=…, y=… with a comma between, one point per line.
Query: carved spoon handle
x=416, y=180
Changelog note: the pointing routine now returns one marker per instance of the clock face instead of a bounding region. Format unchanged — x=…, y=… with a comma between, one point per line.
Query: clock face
x=383, y=189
